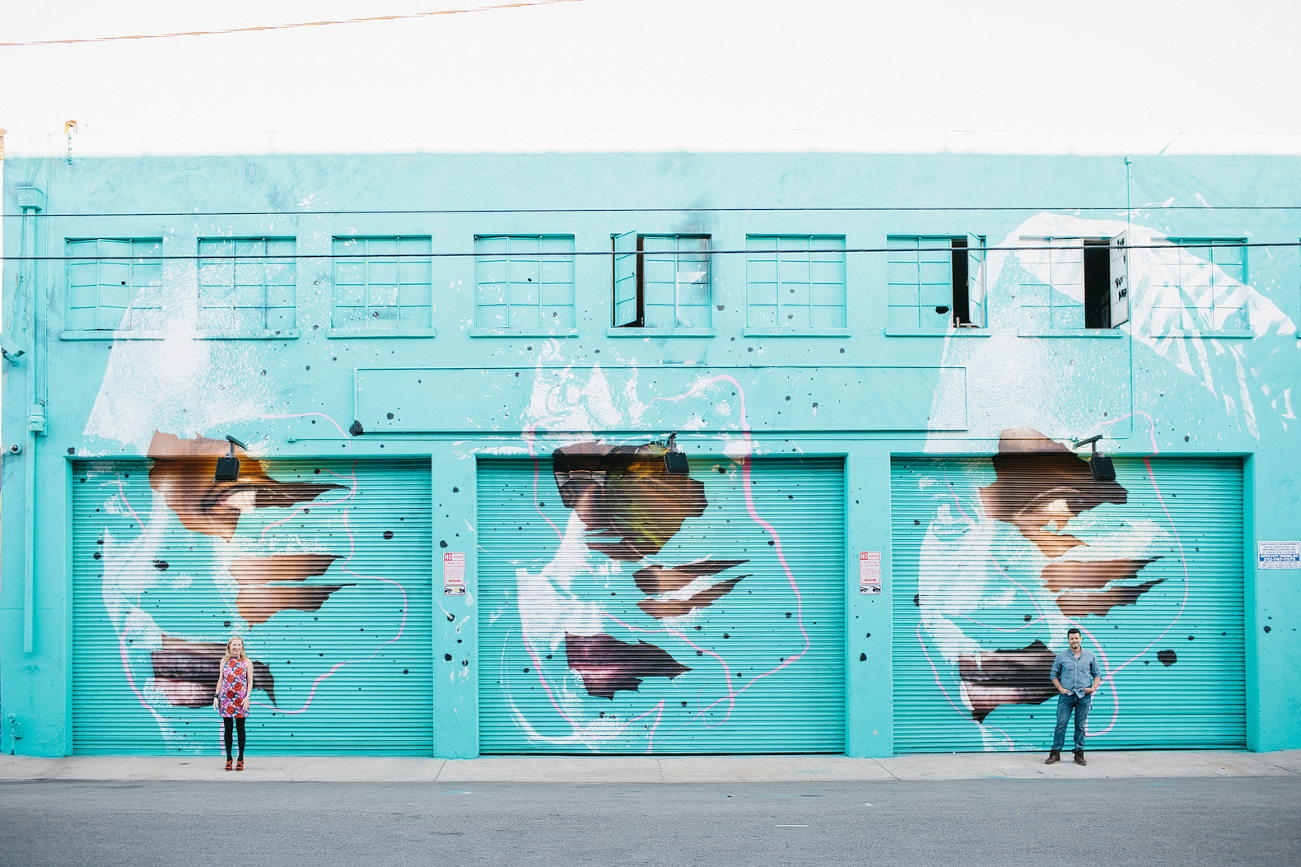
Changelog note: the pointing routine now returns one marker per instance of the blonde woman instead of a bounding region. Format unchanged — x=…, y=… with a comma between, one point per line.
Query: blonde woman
x=234, y=686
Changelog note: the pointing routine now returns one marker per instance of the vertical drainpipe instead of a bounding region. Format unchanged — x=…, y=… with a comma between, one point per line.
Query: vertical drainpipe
x=31, y=201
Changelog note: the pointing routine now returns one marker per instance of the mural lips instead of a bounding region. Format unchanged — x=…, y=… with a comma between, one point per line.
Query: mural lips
x=607, y=664
x=187, y=672
x=1017, y=676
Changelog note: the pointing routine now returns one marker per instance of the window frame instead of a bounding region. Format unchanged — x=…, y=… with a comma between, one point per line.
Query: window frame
x=1076, y=248
x=539, y=260
x=760, y=242
x=415, y=260
x=966, y=264
x=133, y=260
x=638, y=258
x=262, y=262
x=1195, y=315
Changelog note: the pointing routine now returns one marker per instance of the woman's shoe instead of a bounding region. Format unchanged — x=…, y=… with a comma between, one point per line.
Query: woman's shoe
x=228, y=764
x=239, y=766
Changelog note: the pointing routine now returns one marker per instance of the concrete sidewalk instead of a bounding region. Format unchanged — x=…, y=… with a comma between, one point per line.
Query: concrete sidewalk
x=665, y=769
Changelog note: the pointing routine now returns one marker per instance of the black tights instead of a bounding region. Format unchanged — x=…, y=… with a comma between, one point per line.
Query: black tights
x=226, y=727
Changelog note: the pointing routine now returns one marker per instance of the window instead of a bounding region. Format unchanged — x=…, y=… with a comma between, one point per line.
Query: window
x=524, y=283
x=1075, y=283
x=109, y=283
x=795, y=283
x=246, y=285
x=934, y=283
x=661, y=281
x=1199, y=287
x=382, y=284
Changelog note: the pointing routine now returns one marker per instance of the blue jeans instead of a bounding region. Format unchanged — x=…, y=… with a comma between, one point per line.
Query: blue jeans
x=1065, y=704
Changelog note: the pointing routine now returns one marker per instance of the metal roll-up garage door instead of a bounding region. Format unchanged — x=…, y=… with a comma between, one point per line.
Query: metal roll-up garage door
x=995, y=558
x=623, y=610
x=322, y=566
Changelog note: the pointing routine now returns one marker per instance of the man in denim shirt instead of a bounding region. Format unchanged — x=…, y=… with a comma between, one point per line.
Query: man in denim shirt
x=1076, y=675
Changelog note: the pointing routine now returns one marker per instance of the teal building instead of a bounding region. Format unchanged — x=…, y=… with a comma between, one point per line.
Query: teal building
x=649, y=453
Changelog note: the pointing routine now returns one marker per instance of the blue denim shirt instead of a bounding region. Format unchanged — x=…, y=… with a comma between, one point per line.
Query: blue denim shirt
x=1075, y=675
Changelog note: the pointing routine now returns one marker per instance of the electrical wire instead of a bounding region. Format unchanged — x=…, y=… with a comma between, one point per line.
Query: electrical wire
x=417, y=257
x=883, y=209
x=267, y=27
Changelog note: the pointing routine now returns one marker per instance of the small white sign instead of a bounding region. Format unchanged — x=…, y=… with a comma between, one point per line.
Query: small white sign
x=1278, y=555
x=869, y=572
x=453, y=574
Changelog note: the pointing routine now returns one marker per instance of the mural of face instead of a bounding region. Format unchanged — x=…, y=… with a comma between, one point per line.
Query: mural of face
x=1020, y=546
x=250, y=554
x=183, y=474
x=663, y=614
x=1032, y=551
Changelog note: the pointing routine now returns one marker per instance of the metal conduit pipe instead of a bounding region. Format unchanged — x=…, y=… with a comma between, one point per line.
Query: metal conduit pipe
x=31, y=201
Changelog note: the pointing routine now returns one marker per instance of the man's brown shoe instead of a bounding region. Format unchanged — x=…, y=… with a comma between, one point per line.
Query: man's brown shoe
x=1053, y=758
x=1079, y=758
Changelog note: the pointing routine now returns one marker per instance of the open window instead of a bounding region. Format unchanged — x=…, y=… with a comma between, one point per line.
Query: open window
x=1076, y=283
x=661, y=281
x=935, y=283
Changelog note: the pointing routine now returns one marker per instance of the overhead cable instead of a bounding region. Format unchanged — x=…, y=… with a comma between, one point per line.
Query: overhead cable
x=266, y=27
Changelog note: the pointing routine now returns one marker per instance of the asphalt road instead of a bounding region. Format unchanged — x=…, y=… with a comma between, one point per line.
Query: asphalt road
x=973, y=822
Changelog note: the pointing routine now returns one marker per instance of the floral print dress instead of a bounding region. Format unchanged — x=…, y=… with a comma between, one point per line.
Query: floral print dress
x=233, y=688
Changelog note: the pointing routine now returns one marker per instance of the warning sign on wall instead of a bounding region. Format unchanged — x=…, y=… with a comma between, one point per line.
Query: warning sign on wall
x=1278, y=555
x=869, y=572
x=453, y=574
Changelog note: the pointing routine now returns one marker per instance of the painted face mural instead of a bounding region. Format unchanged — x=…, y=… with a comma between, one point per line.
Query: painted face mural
x=626, y=609
x=291, y=555
x=1001, y=555
x=1009, y=562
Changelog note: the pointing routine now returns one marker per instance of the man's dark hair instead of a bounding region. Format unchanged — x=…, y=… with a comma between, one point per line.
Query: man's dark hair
x=1073, y=629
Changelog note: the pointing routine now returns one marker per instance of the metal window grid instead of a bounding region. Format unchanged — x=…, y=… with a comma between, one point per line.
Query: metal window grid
x=676, y=281
x=1058, y=303
x=246, y=284
x=919, y=278
x=106, y=277
x=795, y=281
x=524, y=282
x=1209, y=273
x=383, y=283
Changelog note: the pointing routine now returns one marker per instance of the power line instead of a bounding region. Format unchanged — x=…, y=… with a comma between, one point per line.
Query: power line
x=266, y=27
x=827, y=210
x=413, y=257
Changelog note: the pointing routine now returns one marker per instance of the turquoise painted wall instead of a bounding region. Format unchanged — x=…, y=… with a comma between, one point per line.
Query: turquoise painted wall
x=878, y=392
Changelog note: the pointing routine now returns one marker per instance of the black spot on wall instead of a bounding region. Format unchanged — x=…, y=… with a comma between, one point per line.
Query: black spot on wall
x=447, y=657
x=161, y=565
x=456, y=490
x=917, y=600
x=1167, y=657
x=388, y=534
x=862, y=657
x=356, y=429
x=442, y=543
x=390, y=415
x=1267, y=629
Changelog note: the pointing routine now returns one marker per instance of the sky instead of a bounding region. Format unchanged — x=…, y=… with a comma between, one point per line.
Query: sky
x=647, y=74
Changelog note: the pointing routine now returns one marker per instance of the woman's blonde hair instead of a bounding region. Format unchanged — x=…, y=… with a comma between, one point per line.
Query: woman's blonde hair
x=243, y=651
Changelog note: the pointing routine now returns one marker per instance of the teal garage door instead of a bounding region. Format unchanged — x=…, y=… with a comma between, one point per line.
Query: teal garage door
x=624, y=610
x=994, y=559
x=322, y=566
